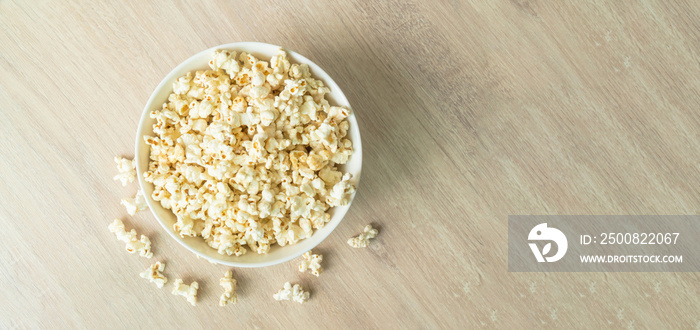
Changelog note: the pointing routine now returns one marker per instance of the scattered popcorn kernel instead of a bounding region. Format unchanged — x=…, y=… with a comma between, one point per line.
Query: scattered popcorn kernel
x=229, y=284
x=154, y=274
x=362, y=240
x=133, y=244
x=133, y=205
x=187, y=291
x=295, y=293
x=311, y=262
x=127, y=170
x=246, y=154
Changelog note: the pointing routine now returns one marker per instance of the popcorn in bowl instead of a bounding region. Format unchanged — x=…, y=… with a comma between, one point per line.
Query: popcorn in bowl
x=247, y=153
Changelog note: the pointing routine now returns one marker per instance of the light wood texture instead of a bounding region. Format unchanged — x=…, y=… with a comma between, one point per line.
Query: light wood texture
x=469, y=112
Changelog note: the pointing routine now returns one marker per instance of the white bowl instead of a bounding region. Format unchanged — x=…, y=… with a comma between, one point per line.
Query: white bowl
x=166, y=218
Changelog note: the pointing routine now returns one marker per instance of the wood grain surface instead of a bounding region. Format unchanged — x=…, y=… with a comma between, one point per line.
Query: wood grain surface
x=469, y=111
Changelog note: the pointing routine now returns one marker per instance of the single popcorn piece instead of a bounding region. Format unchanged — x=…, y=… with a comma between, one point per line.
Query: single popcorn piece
x=187, y=291
x=341, y=192
x=229, y=284
x=362, y=240
x=249, y=153
x=295, y=293
x=127, y=170
x=311, y=262
x=154, y=274
x=133, y=205
x=133, y=244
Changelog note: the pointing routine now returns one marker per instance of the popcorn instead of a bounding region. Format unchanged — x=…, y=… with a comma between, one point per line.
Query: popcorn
x=182, y=85
x=127, y=170
x=187, y=291
x=295, y=293
x=341, y=192
x=226, y=61
x=185, y=227
x=143, y=245
x=330, y=176
x=133, y=205
x=311, y=262
x=229, y=285
x=154, y=274
x=246, y=154
x=362, y=240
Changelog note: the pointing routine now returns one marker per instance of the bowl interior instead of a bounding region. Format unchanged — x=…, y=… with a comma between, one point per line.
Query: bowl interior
x=166, y=218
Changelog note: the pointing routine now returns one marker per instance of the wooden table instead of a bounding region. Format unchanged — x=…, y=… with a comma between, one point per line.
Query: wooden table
x=469, y=111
